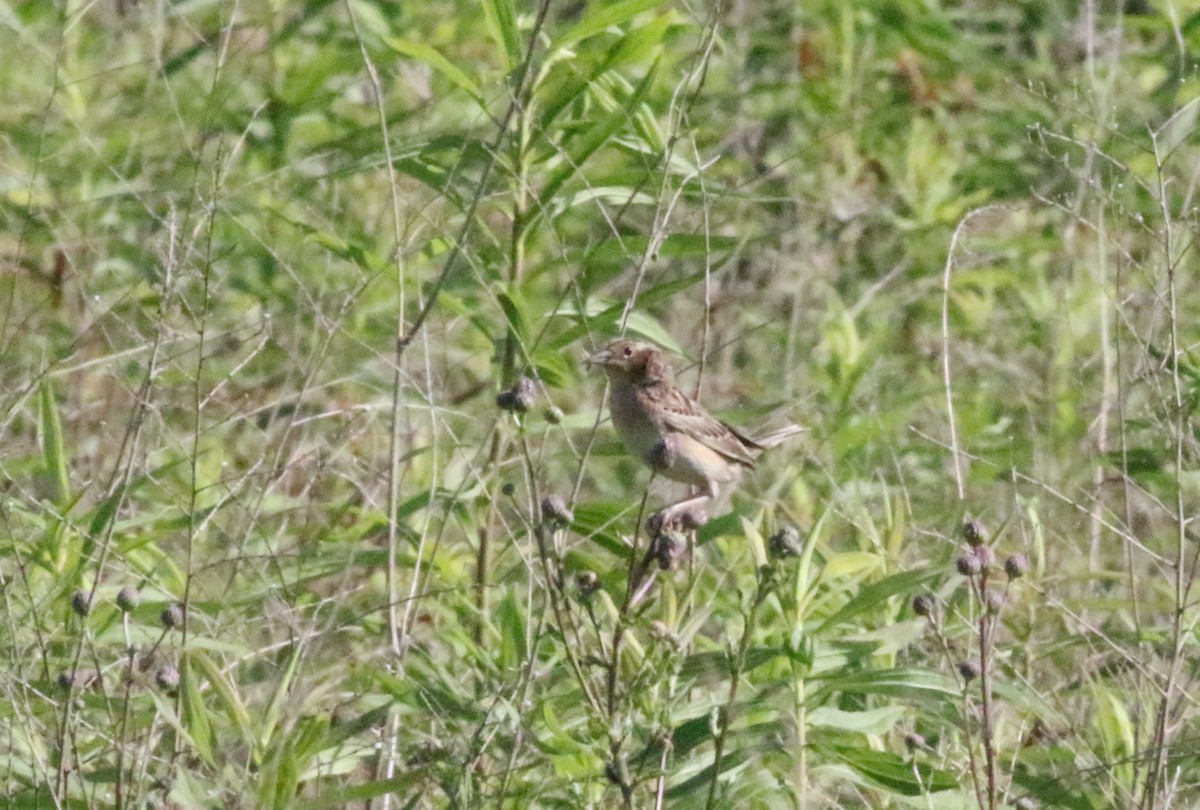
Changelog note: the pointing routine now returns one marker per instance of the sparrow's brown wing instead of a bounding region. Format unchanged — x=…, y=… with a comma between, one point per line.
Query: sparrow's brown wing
x=680, y=413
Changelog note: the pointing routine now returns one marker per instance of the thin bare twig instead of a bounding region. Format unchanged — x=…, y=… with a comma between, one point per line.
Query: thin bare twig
x=955, y=451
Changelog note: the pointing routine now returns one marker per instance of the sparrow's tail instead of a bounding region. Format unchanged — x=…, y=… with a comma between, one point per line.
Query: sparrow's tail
x=778, y=436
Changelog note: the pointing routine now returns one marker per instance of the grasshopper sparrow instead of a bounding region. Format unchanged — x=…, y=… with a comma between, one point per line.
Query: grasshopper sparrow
x=669, y=431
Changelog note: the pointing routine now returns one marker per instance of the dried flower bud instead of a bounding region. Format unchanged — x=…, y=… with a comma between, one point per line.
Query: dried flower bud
x=553, y=414
x=913, y=741
x=520, y=398
x=968, y=565
x=994, y=601
x=507, y=489
x=666, y=548
x=587, y=582
x=973, y=532
x=128, y=598
x=785, y=543
x=969, y=670
x=171, y=617
x=923, y=605
x=81, y=603
x=555, y=511
x=167, y=678
x=985, y=556
x=1016, y=566
x=79, y=679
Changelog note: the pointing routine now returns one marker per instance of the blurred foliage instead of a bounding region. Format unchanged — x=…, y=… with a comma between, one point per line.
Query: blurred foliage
x=267, y=266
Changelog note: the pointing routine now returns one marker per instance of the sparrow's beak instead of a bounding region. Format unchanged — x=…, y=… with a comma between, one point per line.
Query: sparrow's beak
x=600, y=358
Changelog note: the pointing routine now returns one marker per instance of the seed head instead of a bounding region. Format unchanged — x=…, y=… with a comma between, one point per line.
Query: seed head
x=171, y=617
x=81, y=603
x=1016, y=566
x=667, y=548
x=968, y=565
x=785, y=543
x=128, y=598
x=520, y=398
x=986, y=556
x=555, y=511
x=973, y=532
x=587, y=582
x=167, y=678
x=923, y=605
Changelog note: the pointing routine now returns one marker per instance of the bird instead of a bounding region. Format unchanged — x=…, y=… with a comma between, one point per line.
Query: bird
x=672, y=433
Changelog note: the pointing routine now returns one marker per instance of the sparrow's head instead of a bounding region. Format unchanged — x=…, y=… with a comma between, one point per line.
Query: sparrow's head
x=632, y=361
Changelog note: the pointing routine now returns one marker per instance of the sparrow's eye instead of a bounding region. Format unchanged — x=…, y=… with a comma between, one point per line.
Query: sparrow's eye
x=627, y=351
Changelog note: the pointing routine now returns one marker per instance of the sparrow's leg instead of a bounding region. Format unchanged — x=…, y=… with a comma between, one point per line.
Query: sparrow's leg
x=685, y=514
x=665, y=458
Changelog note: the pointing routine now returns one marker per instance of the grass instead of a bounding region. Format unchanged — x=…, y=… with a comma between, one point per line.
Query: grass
x=270, y=270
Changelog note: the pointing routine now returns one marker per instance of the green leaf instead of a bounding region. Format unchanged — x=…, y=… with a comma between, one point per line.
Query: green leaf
x=628, y=48
x=356, y=254
x=1116, y=730
x=596, y=136
x=872, y=721
x=605, y=317
x=675, y=246
x=642, y=324
x=514, y=312
x=555, y=369
x=54, y=455
x=700, y=782
x=635, y=46
x=707, y=667
x=755, y=539
x=1176, y=129
x=432, y=57
x=877, y=593
x=279, y=699
x=908, y=683
x=1054, y=791
x=512, y=632
x=104, y=512
x=605, y=17
x=345, y=797
x=610, y=195
x=599, y=521
x=432, y=175
x=195, y=714
x=891, y=771
x=1137, y=460
x=501, y=19
x=224, y=689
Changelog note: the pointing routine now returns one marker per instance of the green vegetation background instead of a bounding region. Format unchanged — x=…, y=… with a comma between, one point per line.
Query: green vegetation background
x=266, y=539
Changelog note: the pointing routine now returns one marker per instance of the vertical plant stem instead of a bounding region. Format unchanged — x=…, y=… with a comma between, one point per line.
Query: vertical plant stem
x=516, y=271
x=632, y=580
x=985, y=691
x=1180, y=429
x=972, y=758
x=725, y=718
x=801, y=719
